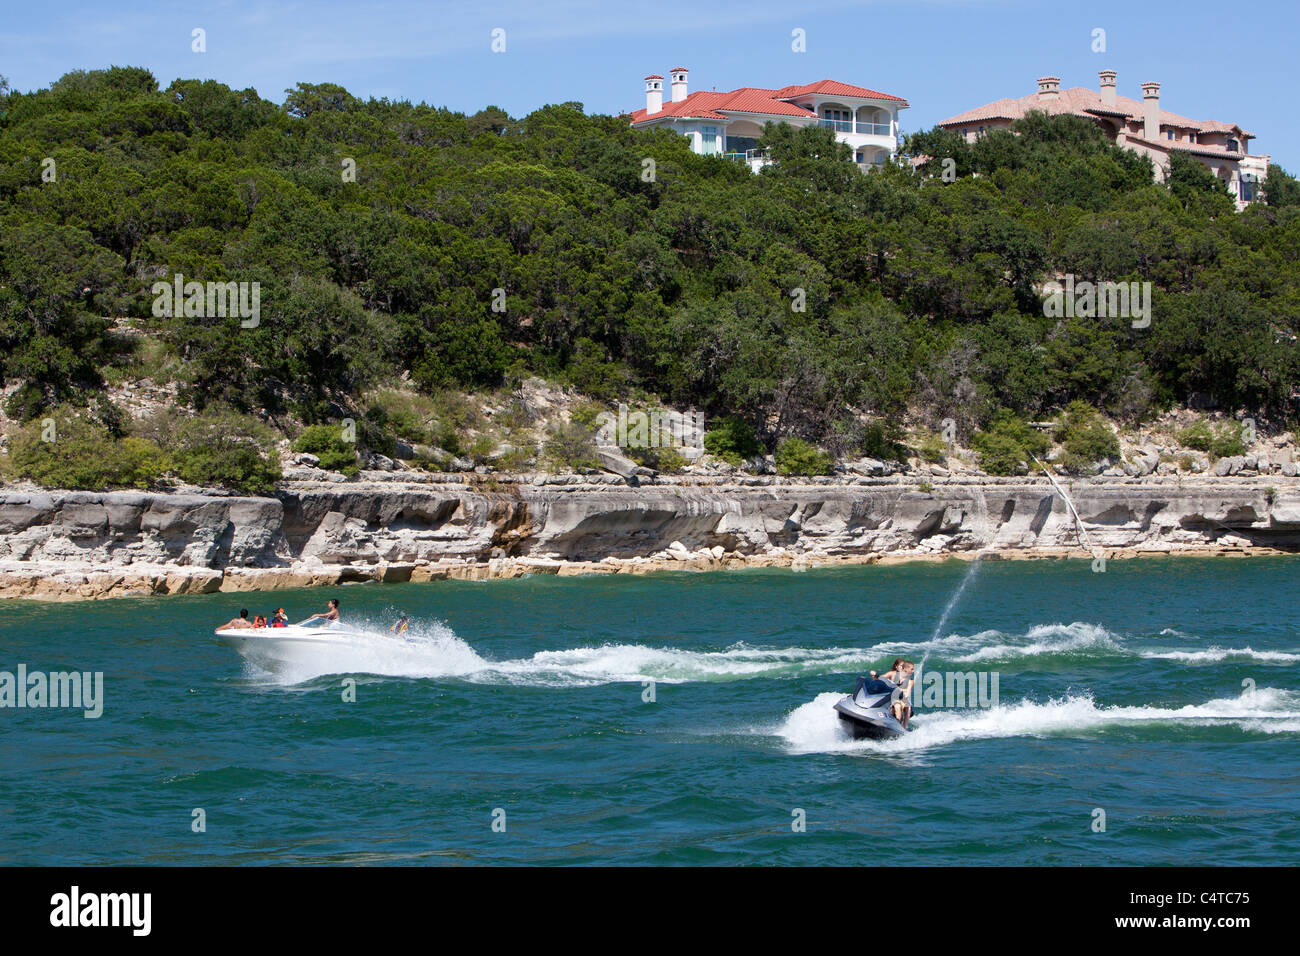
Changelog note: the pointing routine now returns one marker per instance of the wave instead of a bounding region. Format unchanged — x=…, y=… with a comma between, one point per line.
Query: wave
x=814, y=727
x=1073, y=641
x=1213, y=655
x=434, y=651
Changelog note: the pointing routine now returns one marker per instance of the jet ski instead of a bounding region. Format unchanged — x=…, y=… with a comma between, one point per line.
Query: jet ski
x=866, y=713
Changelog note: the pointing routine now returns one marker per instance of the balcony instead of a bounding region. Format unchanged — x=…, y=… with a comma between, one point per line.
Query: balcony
x=849, y=126
x=876, y=129
x=748, y=156
x=755, y=159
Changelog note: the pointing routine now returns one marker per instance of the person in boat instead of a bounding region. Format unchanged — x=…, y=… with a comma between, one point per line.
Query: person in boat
x=403, y=624
x=241, y=621
x=901, y=676
x=332, y=614
x=259, y=620
x=279, y=618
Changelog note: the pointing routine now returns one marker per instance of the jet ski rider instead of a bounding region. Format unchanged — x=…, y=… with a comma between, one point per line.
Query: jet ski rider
x=900, y=675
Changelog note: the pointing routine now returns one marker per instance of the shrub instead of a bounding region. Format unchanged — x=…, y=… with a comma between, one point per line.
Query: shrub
x=571, y=447
x=226, y=449
x=407, y=415
x=27, y=402
x=794, y=456
x=239, y=467
x=1222, y=441
x=881, y=440
x=932, y=448
x=1006, y=445
x=732, y=440
x=1085, y=437
x=480, y=450
x=517, y=457
x=326, y=443
x=82, y=455
x=661, y=458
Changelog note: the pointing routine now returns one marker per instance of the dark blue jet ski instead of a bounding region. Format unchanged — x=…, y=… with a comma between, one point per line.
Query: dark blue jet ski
x=866, y=713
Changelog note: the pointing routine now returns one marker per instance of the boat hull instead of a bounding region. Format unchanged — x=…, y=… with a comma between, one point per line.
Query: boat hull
x=868, y=723
x=276, y=648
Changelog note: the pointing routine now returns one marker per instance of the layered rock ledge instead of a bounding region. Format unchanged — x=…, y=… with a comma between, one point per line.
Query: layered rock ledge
x=67, y=545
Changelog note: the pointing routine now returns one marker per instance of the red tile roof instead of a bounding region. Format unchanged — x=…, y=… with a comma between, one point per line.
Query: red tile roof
x=835, y=88
x=1080, y=100
x=752, y=99
x=1200, y=149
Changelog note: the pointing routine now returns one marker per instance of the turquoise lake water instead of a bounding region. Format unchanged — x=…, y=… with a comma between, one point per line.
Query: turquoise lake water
x=1164, y=692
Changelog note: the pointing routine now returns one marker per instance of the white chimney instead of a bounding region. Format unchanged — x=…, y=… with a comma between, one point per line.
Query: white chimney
x=1049, y=89
x=1107, y=88
x=1151, y=111
x=654, y=93
x=679, y=83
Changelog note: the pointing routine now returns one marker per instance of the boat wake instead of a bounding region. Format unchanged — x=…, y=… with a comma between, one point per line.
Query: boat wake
x=814, y=727
x=434, y=651
x=1061, y=643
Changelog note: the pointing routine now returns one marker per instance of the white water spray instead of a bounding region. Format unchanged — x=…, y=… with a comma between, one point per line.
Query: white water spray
x=971, y=574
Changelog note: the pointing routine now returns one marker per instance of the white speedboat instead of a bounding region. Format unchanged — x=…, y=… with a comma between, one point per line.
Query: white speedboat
x=273, y=648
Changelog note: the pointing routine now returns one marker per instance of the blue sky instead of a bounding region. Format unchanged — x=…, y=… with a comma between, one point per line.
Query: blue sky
x=1233, y=63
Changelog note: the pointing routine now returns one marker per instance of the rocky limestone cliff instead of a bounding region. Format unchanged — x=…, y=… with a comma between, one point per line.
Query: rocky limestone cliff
x=70, y=545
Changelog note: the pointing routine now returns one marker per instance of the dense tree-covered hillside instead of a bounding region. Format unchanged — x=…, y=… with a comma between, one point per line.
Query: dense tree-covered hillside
x=796, y=299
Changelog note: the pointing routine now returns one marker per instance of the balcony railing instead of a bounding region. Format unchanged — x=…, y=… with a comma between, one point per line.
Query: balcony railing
x=748, y=156
x=848, y=126
x=876, y=129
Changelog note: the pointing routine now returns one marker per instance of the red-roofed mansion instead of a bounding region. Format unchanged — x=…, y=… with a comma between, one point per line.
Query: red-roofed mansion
x=1140, y=126
x=729, y=124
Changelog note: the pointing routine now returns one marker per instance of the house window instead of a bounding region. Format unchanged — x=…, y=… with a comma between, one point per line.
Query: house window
x=1232, y=145
x=709, y=144
x=1248, y=182
x=841, y=120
